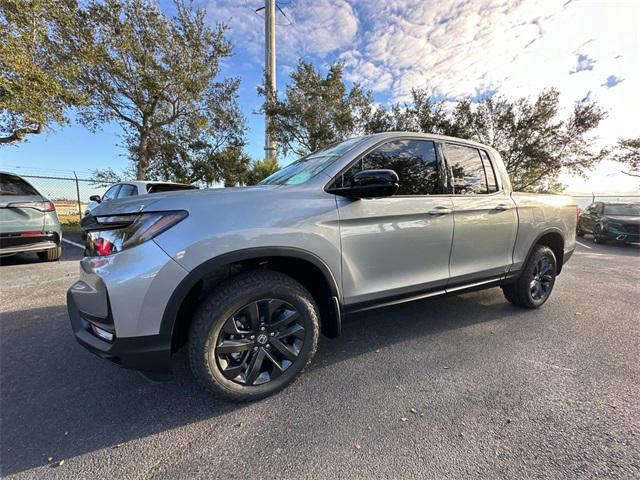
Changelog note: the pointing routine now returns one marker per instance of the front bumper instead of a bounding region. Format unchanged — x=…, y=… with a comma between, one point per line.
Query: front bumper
x=116, y=306
x=621, y=234
x=150, y=354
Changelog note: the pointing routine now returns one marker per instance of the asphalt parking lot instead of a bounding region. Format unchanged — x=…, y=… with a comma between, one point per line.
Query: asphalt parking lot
x=456, y=387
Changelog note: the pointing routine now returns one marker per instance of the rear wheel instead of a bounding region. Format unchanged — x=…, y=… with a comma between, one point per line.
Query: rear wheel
x=579, y=231
x=253, y=335
x=535, y=283
x=50, y=255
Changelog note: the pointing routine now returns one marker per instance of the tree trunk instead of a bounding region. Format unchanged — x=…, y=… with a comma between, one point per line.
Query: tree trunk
x=143, y=156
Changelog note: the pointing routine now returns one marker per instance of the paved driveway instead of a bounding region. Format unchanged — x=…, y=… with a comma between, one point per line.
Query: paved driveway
x=455, y=387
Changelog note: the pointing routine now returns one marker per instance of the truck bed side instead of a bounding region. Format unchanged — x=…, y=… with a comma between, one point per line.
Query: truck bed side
x=540, y=214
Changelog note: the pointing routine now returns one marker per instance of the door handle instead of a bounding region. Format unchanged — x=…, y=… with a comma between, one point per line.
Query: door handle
x=436, y=211
x=501, y=207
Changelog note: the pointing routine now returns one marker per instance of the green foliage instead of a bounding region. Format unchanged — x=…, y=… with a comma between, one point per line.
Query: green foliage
x=627, y=151
x=535, y=144
x=316, y=110
x=37, y=71
x=261, y=169
x=157, y=77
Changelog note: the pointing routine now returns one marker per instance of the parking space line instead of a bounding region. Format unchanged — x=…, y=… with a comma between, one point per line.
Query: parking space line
x=583, y=245
x=73, y=243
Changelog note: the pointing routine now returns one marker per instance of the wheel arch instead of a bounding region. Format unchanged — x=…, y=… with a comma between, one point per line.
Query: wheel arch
x=305, y=267
x=553, y=239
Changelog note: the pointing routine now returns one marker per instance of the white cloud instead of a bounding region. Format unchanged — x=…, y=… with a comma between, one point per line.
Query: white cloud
x=517, y=47
x=315, y=28
x=465, y=47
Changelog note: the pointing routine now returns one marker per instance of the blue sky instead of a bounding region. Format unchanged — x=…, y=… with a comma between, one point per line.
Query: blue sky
x=455, y=47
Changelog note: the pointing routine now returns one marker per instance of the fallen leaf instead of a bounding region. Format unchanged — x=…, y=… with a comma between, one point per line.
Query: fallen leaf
x=403, y=419
x=413, y=410
x=49, y=459
x=446, y=368
x=378, y=350
x=118, y=445
x=60, y=463
x=358, y=447
x=578, y=313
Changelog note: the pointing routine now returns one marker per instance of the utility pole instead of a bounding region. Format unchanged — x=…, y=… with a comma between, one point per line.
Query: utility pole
x=270, y=70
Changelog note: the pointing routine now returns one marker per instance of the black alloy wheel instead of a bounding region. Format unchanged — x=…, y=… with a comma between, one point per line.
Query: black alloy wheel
x=542, y=279
x=253, y=335
x=534, y=285
x=260, y=342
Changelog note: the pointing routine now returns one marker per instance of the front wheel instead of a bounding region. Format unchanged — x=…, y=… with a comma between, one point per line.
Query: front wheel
x=253, y=335
x=598, y=236
x=535, y=283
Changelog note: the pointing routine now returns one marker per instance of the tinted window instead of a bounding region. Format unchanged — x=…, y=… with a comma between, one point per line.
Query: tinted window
x=492, y=184
x=414, y=161
x=310, y=165
x=168, y=187
x=466, y=168
x=111, y=193
x=12, y=185
x=624, y=210
x=127, y=191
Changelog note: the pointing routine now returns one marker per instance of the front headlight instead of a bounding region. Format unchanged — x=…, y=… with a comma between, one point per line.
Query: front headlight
x=114, y=233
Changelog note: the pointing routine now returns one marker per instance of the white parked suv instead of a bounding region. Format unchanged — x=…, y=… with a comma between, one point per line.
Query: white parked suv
x=133, y=188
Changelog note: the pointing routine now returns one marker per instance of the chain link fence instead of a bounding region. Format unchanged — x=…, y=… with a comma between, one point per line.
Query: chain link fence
x=70, y=195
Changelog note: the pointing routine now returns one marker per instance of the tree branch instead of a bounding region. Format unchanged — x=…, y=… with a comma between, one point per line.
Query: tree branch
x=20, y=133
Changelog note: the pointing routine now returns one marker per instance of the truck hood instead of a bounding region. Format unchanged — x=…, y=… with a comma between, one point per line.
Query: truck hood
x=180, y=200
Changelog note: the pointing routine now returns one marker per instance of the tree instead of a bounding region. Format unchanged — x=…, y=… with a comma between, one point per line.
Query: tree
x=37, y=71
x=534, y=143
x=157, y=77
x=209, y=151
x=316, y=110
x=627, y=151
x=261, y=169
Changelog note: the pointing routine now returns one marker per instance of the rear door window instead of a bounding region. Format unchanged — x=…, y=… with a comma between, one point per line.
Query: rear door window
x=12, y=185
x=467, y=170
x=127, y=190
x=492, y=184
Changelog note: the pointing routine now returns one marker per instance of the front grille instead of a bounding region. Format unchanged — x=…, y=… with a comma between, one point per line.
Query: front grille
x=632, y=228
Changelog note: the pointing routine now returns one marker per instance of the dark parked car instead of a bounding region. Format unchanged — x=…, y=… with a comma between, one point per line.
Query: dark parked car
x=611, y=221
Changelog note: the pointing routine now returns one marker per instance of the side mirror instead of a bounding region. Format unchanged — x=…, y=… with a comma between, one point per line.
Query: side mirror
x=370, y=184
x=95, y=198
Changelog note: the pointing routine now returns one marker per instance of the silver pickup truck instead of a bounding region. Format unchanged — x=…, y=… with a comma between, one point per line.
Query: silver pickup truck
x=247, y=278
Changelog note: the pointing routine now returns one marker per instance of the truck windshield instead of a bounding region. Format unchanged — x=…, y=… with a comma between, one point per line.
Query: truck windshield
x=623, y=210
x=310, y=165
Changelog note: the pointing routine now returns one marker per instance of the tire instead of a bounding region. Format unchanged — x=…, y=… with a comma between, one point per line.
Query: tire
x=597, y=234
x=541, y=268
x=579, y=231
x=233, y=315
x=50, y=255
